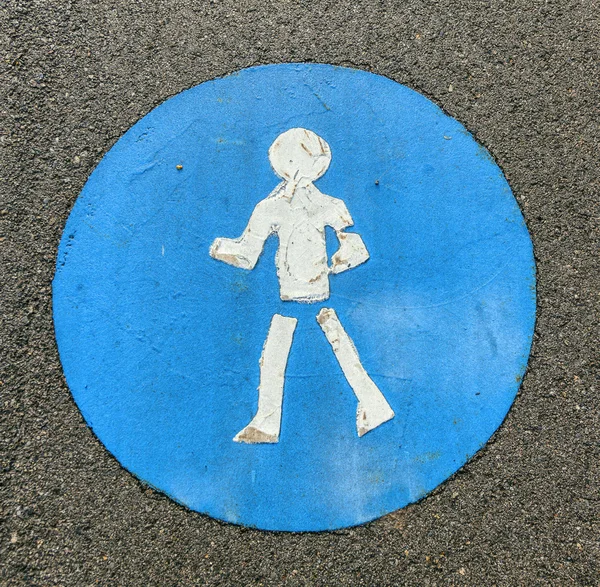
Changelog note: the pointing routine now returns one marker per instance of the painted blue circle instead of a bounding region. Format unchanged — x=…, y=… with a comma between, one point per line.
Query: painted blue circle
x=160, y=343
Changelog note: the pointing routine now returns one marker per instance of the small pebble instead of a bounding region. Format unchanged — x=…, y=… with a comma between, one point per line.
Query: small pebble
x=180, y=167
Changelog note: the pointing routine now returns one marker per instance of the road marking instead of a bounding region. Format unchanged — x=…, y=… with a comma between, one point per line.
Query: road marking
x=298, y=213
x=222, y=224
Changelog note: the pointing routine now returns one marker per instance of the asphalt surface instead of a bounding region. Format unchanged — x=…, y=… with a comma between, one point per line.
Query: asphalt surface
x=521, y=76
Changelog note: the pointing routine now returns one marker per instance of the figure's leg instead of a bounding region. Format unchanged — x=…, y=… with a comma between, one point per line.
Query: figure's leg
x=265, y=425
x=373, y=408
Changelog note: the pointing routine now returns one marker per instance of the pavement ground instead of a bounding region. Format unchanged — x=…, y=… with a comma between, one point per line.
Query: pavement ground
x=522, y=76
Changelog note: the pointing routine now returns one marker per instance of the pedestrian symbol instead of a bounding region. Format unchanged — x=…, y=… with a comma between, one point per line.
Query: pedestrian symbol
x=295, y=298
x=298, y=213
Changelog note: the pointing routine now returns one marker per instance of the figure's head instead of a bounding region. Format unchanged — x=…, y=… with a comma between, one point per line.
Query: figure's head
x=299, y=153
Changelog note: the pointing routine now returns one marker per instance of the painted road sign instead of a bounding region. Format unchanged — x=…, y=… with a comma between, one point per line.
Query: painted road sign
x=320, y=234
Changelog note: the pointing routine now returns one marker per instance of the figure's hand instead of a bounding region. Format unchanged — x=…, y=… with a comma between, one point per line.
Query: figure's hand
x=352, y=252
x=230, y=251
x=216, y=247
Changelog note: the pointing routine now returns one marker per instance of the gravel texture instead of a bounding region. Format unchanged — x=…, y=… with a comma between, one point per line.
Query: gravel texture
x=522, y=76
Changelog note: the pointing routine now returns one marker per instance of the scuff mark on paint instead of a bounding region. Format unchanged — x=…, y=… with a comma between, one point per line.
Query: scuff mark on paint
x=67, y=246
x=427, y=457
x=485, y=154
x=142, y=169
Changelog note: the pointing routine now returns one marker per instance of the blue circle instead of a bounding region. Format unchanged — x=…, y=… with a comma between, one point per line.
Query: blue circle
x=160, y=343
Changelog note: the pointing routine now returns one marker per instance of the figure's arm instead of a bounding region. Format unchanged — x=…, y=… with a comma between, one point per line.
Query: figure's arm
x=245, y=250
x=352, y=251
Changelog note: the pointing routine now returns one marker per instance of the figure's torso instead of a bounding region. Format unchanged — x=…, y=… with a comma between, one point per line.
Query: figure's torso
x=300, y=221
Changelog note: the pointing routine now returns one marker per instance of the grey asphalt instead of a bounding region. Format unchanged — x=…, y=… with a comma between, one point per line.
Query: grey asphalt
x=522, y=76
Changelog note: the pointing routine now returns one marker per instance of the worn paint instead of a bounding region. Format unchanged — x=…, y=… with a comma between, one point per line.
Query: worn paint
x=160, y=342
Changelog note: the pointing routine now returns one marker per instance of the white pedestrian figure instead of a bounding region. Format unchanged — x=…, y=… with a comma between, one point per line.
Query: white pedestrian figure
x=298, y=213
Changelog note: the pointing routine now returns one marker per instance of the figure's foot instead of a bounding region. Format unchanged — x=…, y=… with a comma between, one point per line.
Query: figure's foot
x=368, y=418
x=252, y=435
